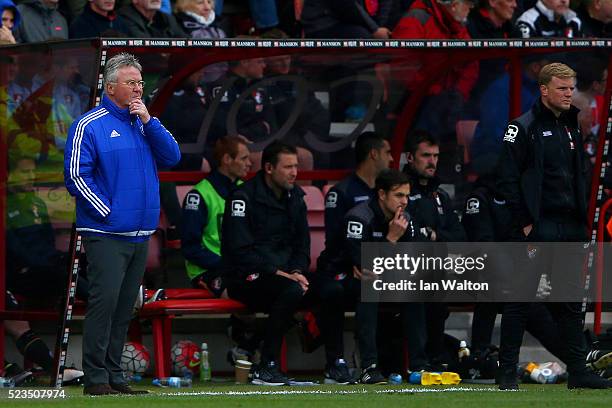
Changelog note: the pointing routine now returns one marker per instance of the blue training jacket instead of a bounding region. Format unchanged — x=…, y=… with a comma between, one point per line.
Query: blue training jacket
x=110, y=166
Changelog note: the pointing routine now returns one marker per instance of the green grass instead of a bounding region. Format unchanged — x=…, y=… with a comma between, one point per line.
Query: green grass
x=224, y=395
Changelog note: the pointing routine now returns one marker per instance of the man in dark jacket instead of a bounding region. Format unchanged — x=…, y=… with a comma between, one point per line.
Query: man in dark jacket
x=40, y=21
x=492, y=19
x=540, y=175
x=381, y=219
x=98, y=18
x=144, y=20
x=266, y=254
x=441, y=223
x=255, y=119
x=596, y=17
x=372, y=155
x=347, y=19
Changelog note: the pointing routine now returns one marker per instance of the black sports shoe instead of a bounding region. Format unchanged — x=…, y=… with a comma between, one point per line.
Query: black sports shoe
x=268, y=374
x=338, y=373
x=372, y=375
x=599, y=359
x=587, y=379
x=507, y=378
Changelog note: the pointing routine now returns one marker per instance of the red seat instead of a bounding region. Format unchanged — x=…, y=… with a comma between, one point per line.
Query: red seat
x=161, y=313
x=181, y=192
x=315, y=206
x=317, y=245
x=183, y=293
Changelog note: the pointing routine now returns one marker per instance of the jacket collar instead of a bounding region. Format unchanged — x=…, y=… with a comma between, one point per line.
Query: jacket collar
x=264, y=194
x=123, y=114
x=541, y=111
x=89, y=11
x=416, y=187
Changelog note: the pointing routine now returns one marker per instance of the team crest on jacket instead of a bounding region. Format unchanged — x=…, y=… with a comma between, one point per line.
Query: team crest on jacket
x=331, y=200
x=354, y=230
x=511, y=133
x=192, y=201
x=238, y=208
x=472, y=206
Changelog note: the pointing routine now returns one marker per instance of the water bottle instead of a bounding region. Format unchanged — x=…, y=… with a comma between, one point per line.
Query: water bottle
x=450, y=378
x=172, y=382
x=425, y=378
x=428, y=378
x=7, y=382
x=204, y=364
x=395, y=379
x=464, y=351
x=543, y=376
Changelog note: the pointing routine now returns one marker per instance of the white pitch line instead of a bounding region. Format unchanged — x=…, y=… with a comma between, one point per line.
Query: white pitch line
x=328, y=392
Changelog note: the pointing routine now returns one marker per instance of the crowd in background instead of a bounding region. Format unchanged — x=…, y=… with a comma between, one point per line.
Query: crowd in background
x=29, y=21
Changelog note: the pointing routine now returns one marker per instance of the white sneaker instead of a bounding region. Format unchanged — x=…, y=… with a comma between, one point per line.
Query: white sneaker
x=72, y=376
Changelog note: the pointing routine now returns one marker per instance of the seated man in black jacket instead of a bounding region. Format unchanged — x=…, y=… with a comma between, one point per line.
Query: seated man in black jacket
x=265, y=249
x=144, y=20
x=383, y=218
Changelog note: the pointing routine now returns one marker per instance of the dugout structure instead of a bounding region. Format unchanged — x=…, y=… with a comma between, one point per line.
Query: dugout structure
x=331, y=91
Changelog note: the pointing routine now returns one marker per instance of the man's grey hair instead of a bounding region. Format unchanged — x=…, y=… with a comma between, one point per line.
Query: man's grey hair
x=117, y=62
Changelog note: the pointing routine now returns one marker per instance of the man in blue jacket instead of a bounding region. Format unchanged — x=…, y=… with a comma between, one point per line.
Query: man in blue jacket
x=110, y=166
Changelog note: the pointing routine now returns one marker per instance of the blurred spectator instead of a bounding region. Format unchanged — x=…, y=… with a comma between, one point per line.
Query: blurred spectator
x=492, y=19
x=437, y=19
x=592, y=74
x=596, y=18
x=284, y=93
x=263, y=12
x=144, y=20
x=494, y=112
x=35, y=268
x=40, y=22
x=254, y=117
x=10, y=20
x=98, y=17
x=197, y=18
x=347, y=19
x=188, y=97
x=549, y=18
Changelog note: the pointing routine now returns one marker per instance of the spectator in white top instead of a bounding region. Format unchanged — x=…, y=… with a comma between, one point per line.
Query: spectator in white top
x=549, y=18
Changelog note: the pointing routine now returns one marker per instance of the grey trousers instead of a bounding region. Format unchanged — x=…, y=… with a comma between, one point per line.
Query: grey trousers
x=115, y=271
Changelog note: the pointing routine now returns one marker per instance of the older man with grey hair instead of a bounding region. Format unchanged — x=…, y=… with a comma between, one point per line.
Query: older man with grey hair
x=110, y=166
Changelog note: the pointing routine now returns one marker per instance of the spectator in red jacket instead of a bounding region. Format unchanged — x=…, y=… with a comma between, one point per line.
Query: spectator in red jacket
x=437, y=19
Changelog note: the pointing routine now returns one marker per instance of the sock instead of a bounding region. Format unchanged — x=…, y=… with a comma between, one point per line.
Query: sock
x=34, y=349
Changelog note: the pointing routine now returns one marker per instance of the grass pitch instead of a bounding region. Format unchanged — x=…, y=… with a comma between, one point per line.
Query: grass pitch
x=355, y=396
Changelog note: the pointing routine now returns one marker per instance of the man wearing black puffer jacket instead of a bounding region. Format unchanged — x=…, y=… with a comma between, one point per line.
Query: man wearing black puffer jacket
x=540, y=174
x=265, y=249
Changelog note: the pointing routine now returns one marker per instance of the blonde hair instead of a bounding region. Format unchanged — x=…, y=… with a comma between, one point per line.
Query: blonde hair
x=181, y=5
x=556, y=69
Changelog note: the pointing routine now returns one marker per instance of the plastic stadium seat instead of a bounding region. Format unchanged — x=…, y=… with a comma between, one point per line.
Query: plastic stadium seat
x=315, y=206
x=317, y=245
x=181, y=192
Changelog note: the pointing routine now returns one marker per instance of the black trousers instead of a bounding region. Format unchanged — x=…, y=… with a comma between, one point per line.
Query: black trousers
x=568, y=316
x=540, y=324
x=280, y=298
x=366, y=318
